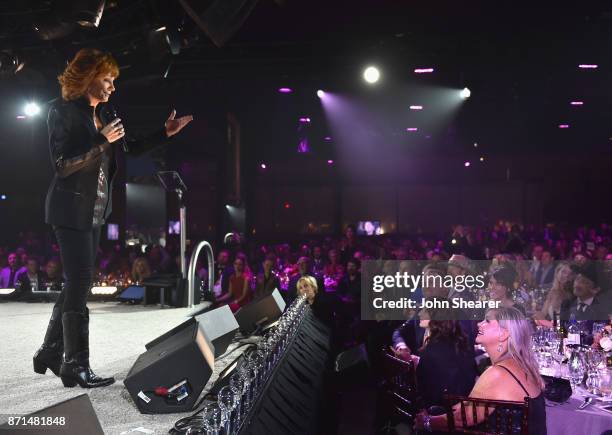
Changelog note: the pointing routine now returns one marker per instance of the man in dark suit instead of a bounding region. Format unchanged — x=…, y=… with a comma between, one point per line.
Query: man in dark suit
x=545, y=273
x=591, y=302
x=32, y=279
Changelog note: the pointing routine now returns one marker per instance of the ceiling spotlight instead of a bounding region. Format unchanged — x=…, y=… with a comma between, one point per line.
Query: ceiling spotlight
x=465, y=93
x=330, y=162
x=416, y=107
x=467, y=164
x=320, y=93
x=587, y=66
x=31, y=109
x=371, y=74
x=563, y=125
x=482, y=159
x=423, y=70
x=475, y=144
x=412, y=129
x=263, y=166
x=304, y=120
x=285, y=90
x=577, y=103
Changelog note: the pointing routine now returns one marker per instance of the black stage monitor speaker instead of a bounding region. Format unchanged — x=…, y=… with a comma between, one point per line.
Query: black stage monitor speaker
x=170, y=375
x=261, y=312
x=219, y=325
x=74, y=416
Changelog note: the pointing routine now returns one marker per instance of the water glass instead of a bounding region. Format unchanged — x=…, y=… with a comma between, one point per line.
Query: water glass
x=605, y=383
x=576, y=369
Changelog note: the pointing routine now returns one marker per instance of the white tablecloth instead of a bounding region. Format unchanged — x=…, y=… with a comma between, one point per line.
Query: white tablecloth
x=567, y=419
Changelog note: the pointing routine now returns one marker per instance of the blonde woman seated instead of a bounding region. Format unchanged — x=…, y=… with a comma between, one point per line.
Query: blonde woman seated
x=140, y=270
x=318, y=300
x=506, y=335
x=561, y=291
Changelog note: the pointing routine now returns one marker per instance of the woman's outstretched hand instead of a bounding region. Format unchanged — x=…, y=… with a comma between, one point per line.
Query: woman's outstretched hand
x=173, y=126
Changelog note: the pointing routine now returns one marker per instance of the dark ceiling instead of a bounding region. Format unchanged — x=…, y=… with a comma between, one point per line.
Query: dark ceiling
x=519, y=58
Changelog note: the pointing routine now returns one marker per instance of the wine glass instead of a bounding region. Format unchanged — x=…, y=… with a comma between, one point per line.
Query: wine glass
x=228, y=402
x=237, y=386
x=214, y=419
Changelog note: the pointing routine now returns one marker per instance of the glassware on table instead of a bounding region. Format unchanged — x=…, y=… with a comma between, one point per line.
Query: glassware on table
x=237, y=386
x=214, y=419
x=228, y=403
x=575, y=366
x=605, y=384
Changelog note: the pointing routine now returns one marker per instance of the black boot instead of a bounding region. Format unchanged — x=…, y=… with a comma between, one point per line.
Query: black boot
x=49, y=356
x=75, y=368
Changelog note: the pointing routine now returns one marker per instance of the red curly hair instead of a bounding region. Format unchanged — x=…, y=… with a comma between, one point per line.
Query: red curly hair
x=87, y=64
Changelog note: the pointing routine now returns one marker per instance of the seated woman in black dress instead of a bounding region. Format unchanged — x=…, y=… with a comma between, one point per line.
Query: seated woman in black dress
x=506, y=335
x=446, y=360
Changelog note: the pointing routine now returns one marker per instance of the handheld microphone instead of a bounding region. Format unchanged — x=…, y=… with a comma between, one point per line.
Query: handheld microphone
x=112, y=114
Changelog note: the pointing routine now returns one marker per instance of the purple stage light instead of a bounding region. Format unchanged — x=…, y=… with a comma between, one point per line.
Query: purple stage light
x=320, y=93
x=263, y=166
x=416, y=107
x=330, y=162
x=423, y=70
x=563, y=125
x=577, y=103
x=467, y=164
x=285, y=90
x=587, y=66
x=412, y=129
x=304, y=120
x=21, y=117
x=327, y=138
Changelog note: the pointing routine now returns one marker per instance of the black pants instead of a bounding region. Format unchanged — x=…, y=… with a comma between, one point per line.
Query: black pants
x=78, y=252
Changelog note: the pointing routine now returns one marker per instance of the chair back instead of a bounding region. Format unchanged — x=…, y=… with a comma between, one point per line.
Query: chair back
x=398, y=373
x=504, y=419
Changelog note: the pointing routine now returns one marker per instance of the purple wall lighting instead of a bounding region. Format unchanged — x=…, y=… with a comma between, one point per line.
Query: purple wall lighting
x=285, y=90
x=423, y=70
x=587, y=66
x=563, y=125
x=416, y=107
x=303, y=145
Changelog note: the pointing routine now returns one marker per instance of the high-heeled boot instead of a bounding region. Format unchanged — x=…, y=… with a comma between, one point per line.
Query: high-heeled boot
x=75, y=368
x=49, y=356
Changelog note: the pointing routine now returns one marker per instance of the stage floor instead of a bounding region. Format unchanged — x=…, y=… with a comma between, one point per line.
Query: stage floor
x=118, y=334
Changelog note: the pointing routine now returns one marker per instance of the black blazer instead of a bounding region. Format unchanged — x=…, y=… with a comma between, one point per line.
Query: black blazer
x=442, y=369
x=600, y=309
x=76, y=149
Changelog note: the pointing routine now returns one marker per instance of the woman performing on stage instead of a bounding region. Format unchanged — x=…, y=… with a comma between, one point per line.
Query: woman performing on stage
x=85, y=137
